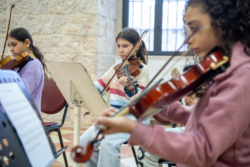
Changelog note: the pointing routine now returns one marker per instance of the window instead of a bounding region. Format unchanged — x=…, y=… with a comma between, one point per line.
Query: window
x=162, y=18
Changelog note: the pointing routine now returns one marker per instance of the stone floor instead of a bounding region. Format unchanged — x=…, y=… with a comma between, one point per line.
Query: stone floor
x=127, y=159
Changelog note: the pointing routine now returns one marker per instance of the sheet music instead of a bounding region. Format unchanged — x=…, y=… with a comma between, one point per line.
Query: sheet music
x=27, y=124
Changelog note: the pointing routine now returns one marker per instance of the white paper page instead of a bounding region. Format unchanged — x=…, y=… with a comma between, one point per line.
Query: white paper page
x=27, y=125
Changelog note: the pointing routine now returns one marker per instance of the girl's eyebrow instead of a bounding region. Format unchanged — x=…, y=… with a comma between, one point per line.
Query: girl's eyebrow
x=12, y=43
x=191, y=22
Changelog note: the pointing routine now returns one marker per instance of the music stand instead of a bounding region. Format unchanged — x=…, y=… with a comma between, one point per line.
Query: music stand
x=13, y=150
x=77, y=88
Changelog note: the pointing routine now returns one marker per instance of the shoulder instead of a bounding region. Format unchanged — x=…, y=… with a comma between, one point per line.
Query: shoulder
x=112, y=69
x=241, y=75
x=34, y=62
x=108, y=74
x=144, y=69
x=144, y=74
x=113, y=66
x=237, y=80
x=34, y=66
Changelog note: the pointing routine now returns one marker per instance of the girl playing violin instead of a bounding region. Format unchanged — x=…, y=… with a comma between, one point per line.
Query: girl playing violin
x=109, y=153
x=31, y=71
x=218, y=128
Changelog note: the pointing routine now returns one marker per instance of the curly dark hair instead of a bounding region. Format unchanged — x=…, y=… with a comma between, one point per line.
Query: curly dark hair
x=230, y=20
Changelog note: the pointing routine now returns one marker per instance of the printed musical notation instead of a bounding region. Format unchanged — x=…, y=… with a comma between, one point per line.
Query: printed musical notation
x=27, y=124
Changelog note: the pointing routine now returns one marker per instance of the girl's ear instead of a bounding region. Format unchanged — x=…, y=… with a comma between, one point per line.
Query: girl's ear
x=27, y=43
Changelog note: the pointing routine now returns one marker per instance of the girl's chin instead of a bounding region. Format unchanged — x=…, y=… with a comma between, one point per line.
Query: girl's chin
x=123, y=58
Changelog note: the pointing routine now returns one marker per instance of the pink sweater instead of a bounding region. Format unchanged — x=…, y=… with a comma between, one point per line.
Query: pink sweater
x=217, y=129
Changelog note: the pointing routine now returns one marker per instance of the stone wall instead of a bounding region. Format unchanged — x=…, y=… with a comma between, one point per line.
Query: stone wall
x=67, y=30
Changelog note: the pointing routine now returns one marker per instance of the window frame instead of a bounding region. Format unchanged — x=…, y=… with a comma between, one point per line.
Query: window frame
x=157, y=27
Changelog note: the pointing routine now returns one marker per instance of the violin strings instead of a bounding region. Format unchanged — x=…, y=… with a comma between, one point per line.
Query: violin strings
x=172, y=65
x=202, y=30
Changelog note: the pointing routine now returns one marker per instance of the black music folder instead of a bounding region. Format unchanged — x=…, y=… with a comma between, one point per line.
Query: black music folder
x=24, y=140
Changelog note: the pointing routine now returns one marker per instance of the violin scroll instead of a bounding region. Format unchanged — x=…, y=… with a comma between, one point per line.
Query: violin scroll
x=80, y=155
x=131, y=86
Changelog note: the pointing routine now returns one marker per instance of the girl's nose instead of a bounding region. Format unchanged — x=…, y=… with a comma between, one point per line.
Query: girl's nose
x=190, y=40
x=188, y=34
x=121, y=50
x=11, y=49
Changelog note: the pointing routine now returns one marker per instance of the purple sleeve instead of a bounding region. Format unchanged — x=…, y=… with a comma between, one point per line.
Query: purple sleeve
x=31, y=76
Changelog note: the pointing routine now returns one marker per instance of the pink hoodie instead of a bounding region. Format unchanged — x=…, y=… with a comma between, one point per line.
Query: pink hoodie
x=217, y=129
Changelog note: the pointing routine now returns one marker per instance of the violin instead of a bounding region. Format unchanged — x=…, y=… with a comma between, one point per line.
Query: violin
x=11, y=62
x=132, y=68
x=158, y=96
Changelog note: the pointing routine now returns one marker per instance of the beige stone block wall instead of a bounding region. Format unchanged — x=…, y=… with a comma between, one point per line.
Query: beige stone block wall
x=67, y=30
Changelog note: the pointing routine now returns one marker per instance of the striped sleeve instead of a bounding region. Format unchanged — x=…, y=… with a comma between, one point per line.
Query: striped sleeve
x=103, y=81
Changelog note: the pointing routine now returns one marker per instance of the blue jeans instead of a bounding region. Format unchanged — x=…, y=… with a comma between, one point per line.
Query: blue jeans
x=109, y=153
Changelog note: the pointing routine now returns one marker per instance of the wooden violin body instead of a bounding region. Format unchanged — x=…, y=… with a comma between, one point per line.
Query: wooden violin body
x=130, y=69
x=11, y=62
x=134, y=68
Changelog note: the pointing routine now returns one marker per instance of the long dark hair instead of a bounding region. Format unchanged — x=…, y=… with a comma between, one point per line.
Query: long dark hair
x=21, y=34
x=132, y=36
x=230, y=20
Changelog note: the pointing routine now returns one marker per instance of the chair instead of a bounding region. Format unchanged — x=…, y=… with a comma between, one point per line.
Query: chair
x=52, y=102
x=133, y=150
x=161, y=161
x=170, y=164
